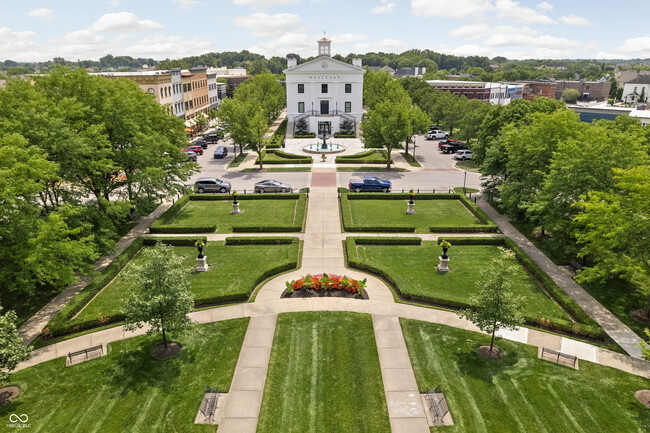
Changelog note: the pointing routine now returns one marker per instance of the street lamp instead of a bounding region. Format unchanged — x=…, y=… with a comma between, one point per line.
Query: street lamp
x=464, y=180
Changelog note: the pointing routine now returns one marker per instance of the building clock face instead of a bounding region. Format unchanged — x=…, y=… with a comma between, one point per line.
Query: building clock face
x=323, y=65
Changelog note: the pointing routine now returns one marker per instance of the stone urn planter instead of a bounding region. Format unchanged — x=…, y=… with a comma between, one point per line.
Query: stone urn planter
x=411, y=205
x=443, y=266
x=201, y=265
x=235, y=204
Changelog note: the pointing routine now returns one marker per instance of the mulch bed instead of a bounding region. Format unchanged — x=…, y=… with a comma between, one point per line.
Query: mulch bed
x=640, y=316
x=484, y=352
x=8, y=393
x=643, y=395
x=161, y=354
x=307, y=293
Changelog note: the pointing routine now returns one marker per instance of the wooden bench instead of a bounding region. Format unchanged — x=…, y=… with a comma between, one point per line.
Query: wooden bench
x=559, y=358
x=85, y=355
x=576, y=265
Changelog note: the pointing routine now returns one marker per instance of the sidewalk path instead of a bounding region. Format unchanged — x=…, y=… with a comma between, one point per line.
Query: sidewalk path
x=617, y=330
x=33, y=327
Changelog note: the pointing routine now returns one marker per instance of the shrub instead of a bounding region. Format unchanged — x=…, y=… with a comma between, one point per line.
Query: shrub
x=311, y=135
x=364, y=157
x=240, y=197
x=262, y=240
x=293, y=159
x=344, y=135
x=155, y=228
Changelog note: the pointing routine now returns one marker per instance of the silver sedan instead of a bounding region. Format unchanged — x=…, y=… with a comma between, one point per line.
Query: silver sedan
x=272, y=186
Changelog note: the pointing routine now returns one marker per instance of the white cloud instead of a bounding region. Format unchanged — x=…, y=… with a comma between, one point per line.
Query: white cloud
x=523, y=14
x=384, y=7
x=384, y=45
x=574, y=20
x=636, y=47
x=123, y=22
x=160, y=46
x=18, y=46
x=43, y=14
x=305, y=44
x=545, y=6
x=449, y=8
x=528, y=53
x=263, y=4
x=268, y=26
x=481, y=31
x=186, y=4
x=544, y=41
x=82, y=37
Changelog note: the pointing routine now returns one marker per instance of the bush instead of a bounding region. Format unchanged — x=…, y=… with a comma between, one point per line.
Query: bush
x=240, y=197
x=262, y=240
x=387, y=241
x=464, y=229
x=278, y=136
x=364, y=158
x=180, y=230
x=285, y=158
x=311, y=135
x=266, y=229
x=175, y=242
x=343, y=135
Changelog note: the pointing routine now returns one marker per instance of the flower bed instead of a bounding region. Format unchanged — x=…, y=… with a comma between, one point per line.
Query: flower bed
x=325, y=283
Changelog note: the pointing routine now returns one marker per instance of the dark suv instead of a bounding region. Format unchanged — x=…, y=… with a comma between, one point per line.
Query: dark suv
x=211, y=138
x=212, y=185
x=220, y=152
x=201, y=142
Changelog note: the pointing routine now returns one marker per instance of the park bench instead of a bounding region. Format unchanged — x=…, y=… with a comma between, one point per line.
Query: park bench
x=209, y=403
x=576, y=265
x=559, y=358
x=437, y=404
x=85, y=354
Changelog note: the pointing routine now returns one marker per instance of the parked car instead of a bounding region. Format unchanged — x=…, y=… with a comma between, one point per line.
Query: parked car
x=212, y=137
x=370, y=184
x=436, y=135
x=456, y=144
x=434, y=128
x=272, y=186
x=212, y=185
x=463, y=154
x=220, y=152
x=201, y=142
x=191, y=156
x=196, y=149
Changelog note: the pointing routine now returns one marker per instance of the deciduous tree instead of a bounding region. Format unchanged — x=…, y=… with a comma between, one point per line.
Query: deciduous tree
x=12, y=350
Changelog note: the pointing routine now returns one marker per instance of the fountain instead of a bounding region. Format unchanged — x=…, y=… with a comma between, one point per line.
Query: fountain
x=324, y=147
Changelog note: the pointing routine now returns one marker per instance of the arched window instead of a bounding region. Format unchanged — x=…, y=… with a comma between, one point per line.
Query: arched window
x=151, y=91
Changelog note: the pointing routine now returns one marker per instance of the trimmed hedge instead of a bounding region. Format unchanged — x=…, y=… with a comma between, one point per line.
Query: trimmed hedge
x=277, y=138
x=464, y=229
x=360, y=158
x=266, y=229
x=312, y=135
x=60, y=323
x=387, y=241
x=159, y=228
x=293, y=159
x=586, y=327
x=240, y=197
x=341, y=135
x=260, y=240
x=174, y=209
x=175, y=242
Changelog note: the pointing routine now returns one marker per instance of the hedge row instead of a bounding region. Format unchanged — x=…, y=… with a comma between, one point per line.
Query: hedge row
x=312, y=135
x=60, y=323
x=294, y=159
x=260, y=240
x=360, y=158
x=273, y=196
x=175, y=242
x=341, y=135
x=170, y=213
x=277, y=138
x=586, y=326
x=387, y=241
x=266, y=229
x=464, y=229
x=159, y=228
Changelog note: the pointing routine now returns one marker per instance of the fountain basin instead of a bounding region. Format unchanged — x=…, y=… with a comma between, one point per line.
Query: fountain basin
x=318, y=148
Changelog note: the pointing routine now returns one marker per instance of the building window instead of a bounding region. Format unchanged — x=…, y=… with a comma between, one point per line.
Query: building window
x=151, y=91
x=186, y=106
x=301, y=107
x=323, y=88
x=348, y=88
x=348, y=107
x=301, y=88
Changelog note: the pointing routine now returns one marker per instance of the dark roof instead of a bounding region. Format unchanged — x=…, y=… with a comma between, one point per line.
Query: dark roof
x=643, y=79
x=374, y=68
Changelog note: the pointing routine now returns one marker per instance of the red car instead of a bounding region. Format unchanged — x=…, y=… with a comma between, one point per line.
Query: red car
x=447, y=141
x=196, y=149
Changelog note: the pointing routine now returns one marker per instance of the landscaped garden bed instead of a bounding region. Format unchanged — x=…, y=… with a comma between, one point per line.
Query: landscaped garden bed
x=207, y=213
x=438, y=213
x=324, y=376
x=520, y=393
x=372, y=156
x=275, y=156
x=325, y=285
x=236, y=268
x=408, y=266
x=128, y=390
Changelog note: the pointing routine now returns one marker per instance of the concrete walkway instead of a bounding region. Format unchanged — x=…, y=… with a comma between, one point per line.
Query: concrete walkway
x=35, y=324
x=617, y=330
x=242, y=408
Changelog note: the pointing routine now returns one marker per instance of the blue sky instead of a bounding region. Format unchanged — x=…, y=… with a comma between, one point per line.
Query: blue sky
x=75, y=29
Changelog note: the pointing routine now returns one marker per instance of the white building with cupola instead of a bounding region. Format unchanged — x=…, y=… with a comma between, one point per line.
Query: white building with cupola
x=324, y=92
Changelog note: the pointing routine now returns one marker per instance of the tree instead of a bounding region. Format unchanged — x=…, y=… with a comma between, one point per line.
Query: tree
x=267, y=91
x=12, y=351
x=247, y=124
x=613, y=229
x=201, y=120
x=302, y=126
x=347, y=126
x=374, y=85
x=642, y=96
x=387, y=126
x=570, y=96
x=418, y=124
x=645, y=348
x=453, y=109
x=496, y=306
x=161, y=298
x=212, y=116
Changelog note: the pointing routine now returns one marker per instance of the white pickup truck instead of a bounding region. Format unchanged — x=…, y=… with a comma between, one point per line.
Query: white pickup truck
x=436, y=135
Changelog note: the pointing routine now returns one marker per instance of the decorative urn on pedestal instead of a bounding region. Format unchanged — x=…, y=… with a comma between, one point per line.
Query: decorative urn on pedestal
x=235, y=204
x=201, y=265
x=443, y=266
x=411, y=206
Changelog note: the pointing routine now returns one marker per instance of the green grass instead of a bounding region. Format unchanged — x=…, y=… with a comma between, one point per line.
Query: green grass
x=412, y=269
x=520, y=393
x=468, y=165
x=545, y=243
x=459, y=189
x=276, y=156
x=392, y=169
x=324, y=376
x=234, y=270
x=237, y=160
x=127, y=390
x=412, y=161
x=392, y=213
x=271, y=169
x=372, y=156
x=275, y=212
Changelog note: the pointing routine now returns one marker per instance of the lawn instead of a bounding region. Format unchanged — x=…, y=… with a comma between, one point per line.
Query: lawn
x=412, y=269
x=392, y=213
x=233, y=274
x=468, y=165
x=127, y=390
x=372, y=156
x=410, y=159
x=255, y=213
x=324, y=376
x=237, y=160
x=520, y=393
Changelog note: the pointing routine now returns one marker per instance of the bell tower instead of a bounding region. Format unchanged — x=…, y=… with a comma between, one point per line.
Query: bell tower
x=324, y=47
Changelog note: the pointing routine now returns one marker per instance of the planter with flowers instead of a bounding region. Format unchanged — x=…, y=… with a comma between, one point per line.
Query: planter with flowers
x=325, y=285
x=411, y=206
x=235, y=204
x=201, y=264
x=444, y=259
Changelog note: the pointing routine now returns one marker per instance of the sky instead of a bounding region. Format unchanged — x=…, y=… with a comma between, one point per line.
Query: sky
x=38, y=30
